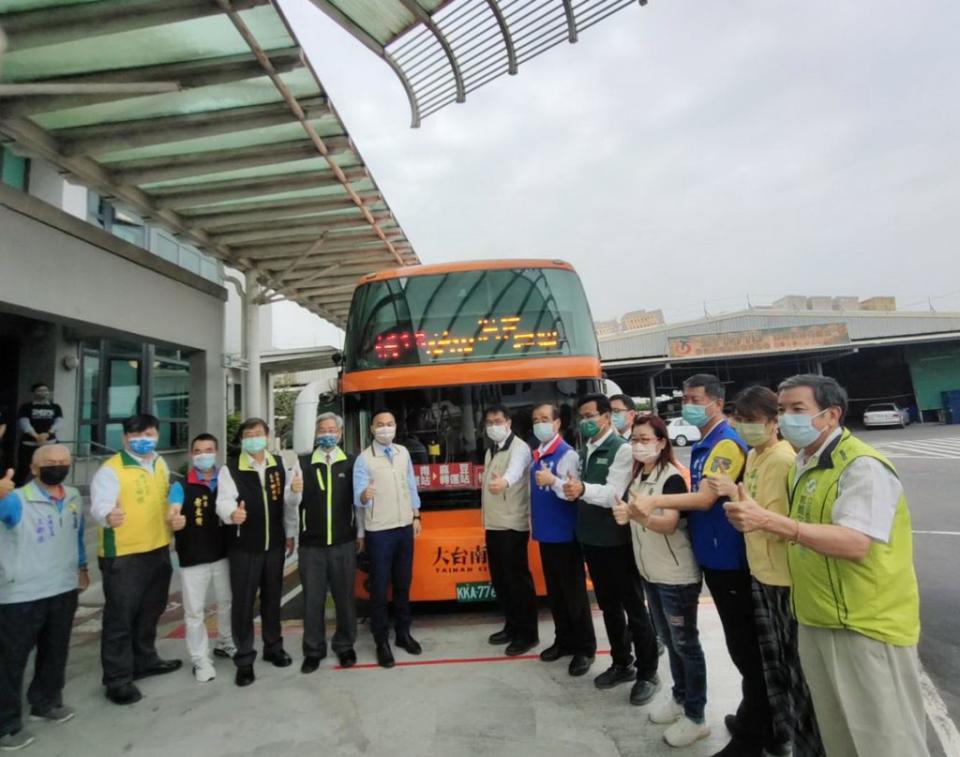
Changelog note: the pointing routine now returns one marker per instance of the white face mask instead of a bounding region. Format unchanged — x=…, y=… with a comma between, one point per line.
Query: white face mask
x=385, y=434
x=497, y=433
x=645, y=453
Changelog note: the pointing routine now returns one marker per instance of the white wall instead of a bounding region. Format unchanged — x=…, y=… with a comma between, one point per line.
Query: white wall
x=47, y=184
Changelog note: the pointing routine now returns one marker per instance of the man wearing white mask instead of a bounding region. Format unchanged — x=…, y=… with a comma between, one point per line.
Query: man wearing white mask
x=854, y=593
x=505, y=499
x=623, y=412
x=202, y=540
x=385, y=493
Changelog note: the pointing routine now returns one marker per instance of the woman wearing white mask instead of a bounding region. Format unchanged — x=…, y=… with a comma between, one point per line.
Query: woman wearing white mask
x=765, y=480
x=672, y=579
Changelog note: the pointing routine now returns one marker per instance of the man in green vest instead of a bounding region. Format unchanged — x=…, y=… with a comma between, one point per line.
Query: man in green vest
x=606, y=463
x=854, y=587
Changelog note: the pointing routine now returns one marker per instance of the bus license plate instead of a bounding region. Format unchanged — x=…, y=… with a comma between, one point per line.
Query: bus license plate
x=475, y=592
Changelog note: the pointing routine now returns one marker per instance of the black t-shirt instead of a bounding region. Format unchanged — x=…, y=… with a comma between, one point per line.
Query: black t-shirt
x=40, y=414
x=673, y=485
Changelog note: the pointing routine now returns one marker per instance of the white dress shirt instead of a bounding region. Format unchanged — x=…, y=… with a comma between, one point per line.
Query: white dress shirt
x=619, y=475
x=518, y=465
x=867, y=493
x=105, y=487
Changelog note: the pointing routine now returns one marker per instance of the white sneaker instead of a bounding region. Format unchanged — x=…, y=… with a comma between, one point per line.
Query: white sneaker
x=685, y=732
x=668, y=711
x=204, y=671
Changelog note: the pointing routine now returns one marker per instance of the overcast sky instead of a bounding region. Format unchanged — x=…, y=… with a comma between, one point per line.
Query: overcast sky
x=685, y=152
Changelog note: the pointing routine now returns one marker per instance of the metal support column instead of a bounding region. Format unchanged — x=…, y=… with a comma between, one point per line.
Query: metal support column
x=252, y=392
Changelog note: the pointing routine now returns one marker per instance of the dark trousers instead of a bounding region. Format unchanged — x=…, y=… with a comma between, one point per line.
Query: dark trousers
x=391, y=565
x=251, y=572
x=567, y=594
x=790, y=704
x=674, y=611
x=511, y=578
x=733, y=596
x=135, y=589
x=333, y=567
x=616, y=584
x=24, y=457
x=46, y=625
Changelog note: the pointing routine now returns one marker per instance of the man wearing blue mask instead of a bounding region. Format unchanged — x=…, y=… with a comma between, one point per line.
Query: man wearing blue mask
x=850, y=554
x=623, y=411
x=128, y=500
x=202, y=539
x=721, y=552
x=329, y=542
x=255, y=496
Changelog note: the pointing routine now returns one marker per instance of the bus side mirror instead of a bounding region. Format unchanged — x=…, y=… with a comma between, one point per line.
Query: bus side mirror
x=337, y=358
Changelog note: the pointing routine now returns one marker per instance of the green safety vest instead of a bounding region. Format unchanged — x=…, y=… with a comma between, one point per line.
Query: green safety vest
x=876, y=596
x=595, y=525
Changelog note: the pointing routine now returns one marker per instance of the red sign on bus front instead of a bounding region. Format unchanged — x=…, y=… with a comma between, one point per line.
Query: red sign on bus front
x=447, y=476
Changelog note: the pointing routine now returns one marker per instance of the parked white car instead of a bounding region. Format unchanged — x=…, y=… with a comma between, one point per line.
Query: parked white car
x=885, y=414
x=682, y=433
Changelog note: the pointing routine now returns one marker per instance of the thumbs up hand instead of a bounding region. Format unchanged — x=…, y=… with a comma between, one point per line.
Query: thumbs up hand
x=296, y=485
x=6, y=483
x=115, y=517
x=572, y=489
x=368, y=494
x=621, y=512
x=744, y=513
x=239, y=516
x=497, y=484
x=176, y=519
x=544, y=475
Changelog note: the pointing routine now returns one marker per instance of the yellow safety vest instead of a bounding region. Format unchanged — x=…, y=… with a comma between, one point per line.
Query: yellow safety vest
x=143, y=499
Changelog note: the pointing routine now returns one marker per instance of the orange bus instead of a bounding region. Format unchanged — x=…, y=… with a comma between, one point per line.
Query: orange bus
x=437, y=345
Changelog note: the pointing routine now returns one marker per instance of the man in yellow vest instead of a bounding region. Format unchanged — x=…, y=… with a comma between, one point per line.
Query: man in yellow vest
x=128, y=500
x=854, y=587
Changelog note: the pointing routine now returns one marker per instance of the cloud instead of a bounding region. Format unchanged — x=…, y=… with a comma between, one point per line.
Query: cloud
x=688, y=152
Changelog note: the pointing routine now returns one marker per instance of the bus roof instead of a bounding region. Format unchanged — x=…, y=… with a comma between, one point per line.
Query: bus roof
x=465, y=265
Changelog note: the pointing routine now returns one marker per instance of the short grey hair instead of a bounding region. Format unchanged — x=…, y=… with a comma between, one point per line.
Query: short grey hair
x=327, y=417
x=827, y=391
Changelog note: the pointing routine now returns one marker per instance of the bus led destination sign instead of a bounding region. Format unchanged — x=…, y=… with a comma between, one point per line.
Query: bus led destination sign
x=759, y=340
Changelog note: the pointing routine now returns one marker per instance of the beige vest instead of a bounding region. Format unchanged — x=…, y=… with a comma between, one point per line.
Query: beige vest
x=509, y=510
x=662, y=558
x=391, y=502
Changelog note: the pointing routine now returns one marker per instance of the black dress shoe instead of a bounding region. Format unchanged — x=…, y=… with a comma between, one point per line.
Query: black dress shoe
x=347, y=659
x=279, y=659
x=245, y=676
x=580, y=664
x=310, y=664
x=643, y=691
x=554, y=652
x=614, y=676
x=126, y=693
x=159, y=668
x=779, y=748
x=407, y=642
x=519, y=647
x=503, y=636
x=739, y=748
x=385, y=655
x=733, y=727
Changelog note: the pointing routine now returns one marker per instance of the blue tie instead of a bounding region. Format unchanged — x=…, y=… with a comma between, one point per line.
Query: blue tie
x=389, y=453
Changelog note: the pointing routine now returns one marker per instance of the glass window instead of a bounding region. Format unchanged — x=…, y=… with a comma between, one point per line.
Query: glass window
x=210, y=268
x=128, y=226
x=171, y=390
x=114, y=437
x=190, y=259
x=123, y=391
x=14, y=170
x=469, y=315
x=444, y=427
x=166, y=248
x=90, y=384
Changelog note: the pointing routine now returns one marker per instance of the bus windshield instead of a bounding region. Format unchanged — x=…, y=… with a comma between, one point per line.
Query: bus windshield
x=443, y=428
x=468, y=316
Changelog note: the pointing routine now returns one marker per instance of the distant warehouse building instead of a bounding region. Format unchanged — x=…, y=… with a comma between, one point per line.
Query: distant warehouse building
x=879, y=354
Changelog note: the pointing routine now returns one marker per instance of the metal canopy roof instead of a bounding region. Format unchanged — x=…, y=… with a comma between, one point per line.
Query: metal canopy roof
x=443, y=49
x=205, y=117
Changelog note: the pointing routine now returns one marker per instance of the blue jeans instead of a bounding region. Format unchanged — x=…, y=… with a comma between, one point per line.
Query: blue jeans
x=674, y=611
x=391, y=567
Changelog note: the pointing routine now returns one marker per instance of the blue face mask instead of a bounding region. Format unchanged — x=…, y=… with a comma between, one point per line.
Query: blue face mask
x=326, y=441
x=544, y=432
x=619, y=418
x=798, y=429
x=254, y=444
x=142, y=446
x=695, y=415
x=205, y=461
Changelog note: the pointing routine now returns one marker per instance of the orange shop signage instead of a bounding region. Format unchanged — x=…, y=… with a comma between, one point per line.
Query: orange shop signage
x=760, y=340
